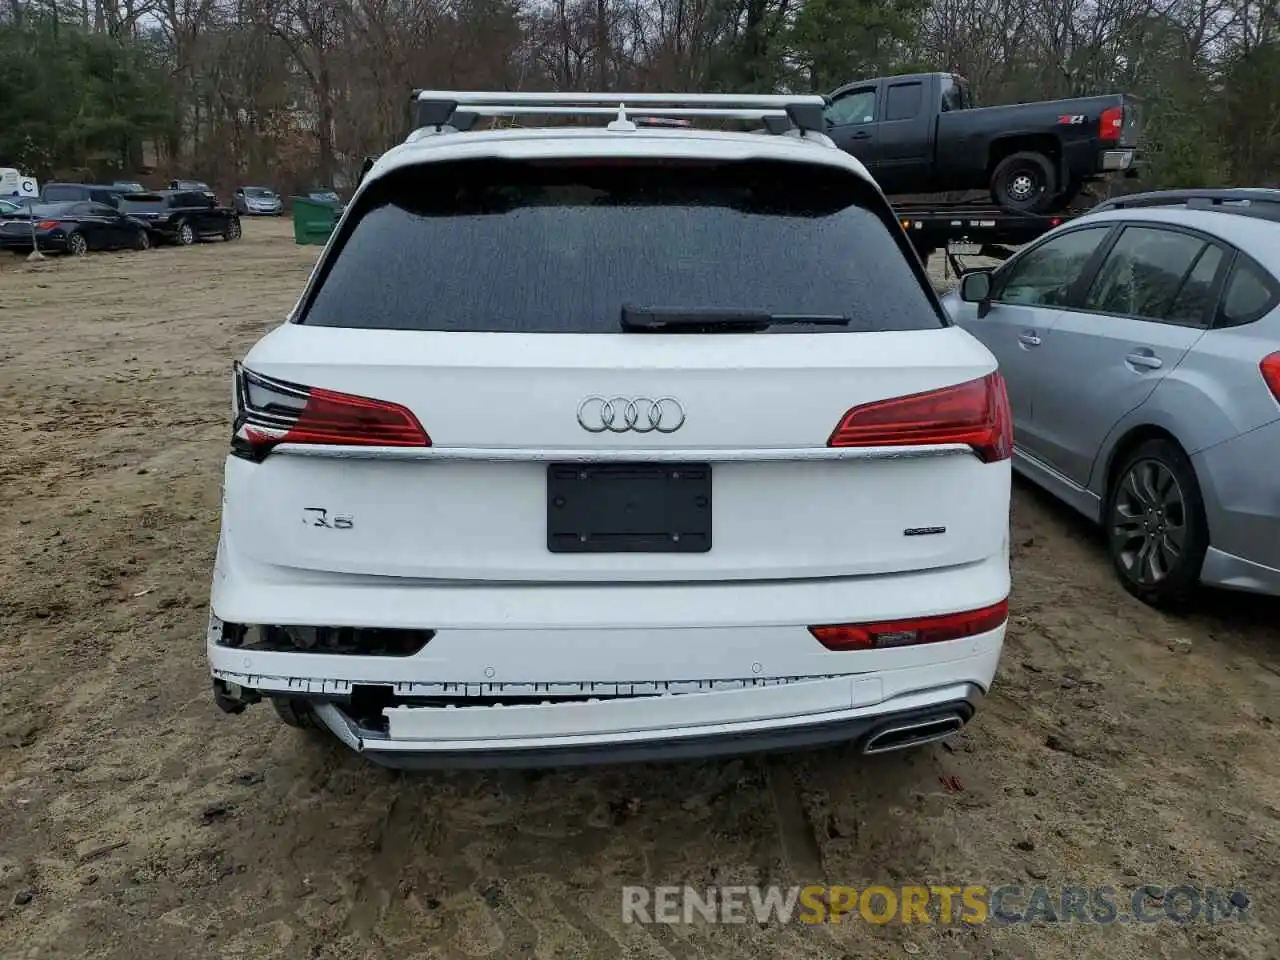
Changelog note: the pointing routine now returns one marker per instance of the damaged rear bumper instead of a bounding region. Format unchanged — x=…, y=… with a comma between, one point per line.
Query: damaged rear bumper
x=916, y=720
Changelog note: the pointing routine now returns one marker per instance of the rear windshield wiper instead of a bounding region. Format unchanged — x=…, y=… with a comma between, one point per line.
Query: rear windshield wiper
x=696, y=320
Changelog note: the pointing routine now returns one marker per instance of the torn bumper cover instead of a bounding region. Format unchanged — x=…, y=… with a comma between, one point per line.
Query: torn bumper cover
x=386, y=709
x=721, y=722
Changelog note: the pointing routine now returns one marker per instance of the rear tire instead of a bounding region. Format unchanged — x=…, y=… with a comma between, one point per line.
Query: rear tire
x=142, y=241
x=1157, y=534
x=1024, y=183
x=77, y=245
x=296, y=713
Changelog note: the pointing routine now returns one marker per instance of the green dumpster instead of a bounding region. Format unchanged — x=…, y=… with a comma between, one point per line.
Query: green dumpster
x=312, y=222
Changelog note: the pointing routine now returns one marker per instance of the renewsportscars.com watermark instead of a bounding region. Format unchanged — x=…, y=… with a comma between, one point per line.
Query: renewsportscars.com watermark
x=969, y=903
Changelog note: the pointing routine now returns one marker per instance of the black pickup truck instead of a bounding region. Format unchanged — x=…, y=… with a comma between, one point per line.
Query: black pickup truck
x=921, y=133
x=182, y=216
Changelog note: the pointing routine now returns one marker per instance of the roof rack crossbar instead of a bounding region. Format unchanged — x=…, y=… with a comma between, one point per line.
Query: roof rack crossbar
x=1237, y=199
x=440, y=108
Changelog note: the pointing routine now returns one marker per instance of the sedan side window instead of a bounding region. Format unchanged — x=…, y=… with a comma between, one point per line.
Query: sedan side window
x=857, y=106
x=1195, y=299
x=1044, y=277
x=1143, y=272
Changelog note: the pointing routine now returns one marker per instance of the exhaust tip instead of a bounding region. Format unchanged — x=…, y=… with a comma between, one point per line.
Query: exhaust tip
x=902, y=735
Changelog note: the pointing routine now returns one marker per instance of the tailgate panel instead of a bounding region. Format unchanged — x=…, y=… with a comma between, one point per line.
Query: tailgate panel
x=488, y=520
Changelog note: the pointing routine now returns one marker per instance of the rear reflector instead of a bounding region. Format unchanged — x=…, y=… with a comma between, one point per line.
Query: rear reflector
x=1111, y=124
x=905, y=633
x=1270, y=367
x=975, y=413
x=269, y=412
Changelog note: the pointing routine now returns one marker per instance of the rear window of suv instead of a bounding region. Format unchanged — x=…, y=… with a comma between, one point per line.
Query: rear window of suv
x=561, y=247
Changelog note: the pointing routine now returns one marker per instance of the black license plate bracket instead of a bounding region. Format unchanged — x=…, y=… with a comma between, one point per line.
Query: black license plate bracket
x=629, y=507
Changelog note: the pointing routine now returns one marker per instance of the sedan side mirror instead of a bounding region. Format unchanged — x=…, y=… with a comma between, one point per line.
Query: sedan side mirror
x=975, y=286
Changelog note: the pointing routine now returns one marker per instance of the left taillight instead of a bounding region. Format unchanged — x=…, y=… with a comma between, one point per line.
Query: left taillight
x=917, y=630
x=268, y=412
x=46, y=224
x=974, y=413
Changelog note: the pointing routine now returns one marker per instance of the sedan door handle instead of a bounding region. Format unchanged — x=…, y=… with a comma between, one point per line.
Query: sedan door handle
x=1029, y=339
x=1148, y=361
x=860, y=135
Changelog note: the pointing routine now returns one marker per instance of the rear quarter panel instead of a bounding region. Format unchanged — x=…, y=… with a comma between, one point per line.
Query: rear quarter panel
x=1215, y=394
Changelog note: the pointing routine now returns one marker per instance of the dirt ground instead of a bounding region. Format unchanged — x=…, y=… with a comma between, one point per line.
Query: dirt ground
x=1119, y=747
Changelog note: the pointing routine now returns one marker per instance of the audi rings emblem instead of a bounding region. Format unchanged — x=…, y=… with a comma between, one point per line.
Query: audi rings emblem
x=637, y=414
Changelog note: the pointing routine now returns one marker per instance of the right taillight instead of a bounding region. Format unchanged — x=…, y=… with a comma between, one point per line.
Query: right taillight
x=46, y=224
x=1270, y=367
x=269, y=412
x=1111, y=123
x=917, y=630
x=975, y=413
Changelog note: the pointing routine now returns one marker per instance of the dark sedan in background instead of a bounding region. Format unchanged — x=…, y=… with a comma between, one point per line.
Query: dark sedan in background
x=75, y=227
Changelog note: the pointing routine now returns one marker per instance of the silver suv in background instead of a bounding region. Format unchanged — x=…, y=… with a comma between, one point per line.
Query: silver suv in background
x=1141, y=348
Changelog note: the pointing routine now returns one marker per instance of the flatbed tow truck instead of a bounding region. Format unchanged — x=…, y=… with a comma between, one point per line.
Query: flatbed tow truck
x=970, y=230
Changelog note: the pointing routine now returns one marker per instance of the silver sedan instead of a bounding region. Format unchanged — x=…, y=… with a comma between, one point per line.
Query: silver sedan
x=1141, y=349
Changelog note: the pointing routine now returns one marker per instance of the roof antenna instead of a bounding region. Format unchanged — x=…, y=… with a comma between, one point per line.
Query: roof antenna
x=621, y=123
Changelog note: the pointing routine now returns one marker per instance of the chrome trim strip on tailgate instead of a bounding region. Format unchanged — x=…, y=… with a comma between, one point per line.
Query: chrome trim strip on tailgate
x=631, y=454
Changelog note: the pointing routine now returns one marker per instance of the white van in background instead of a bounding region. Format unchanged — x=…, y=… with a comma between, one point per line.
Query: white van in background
x=13, y=183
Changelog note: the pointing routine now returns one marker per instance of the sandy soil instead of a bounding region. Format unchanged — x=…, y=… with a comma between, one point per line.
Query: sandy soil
x=136, y=821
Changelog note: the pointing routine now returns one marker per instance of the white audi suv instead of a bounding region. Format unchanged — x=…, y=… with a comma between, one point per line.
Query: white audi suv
x=591, y=443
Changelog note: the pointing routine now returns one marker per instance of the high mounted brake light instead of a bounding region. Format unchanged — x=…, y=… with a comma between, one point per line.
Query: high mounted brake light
x=917, y=630
x=1111, y=123
x=269, y=412
x=975, y=413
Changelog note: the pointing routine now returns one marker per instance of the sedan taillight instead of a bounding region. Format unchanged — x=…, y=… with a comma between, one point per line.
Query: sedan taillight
x=1270, y=368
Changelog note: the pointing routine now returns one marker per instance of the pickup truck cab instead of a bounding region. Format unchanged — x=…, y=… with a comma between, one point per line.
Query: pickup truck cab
x=922, y=133
x=193, y=186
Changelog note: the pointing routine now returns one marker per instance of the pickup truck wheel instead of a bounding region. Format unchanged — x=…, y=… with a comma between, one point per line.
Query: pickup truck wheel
x=1024, y=183
x=186, y=234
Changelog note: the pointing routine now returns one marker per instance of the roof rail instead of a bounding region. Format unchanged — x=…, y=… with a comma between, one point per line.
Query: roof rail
x=778, y=113
x=1258, y=202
